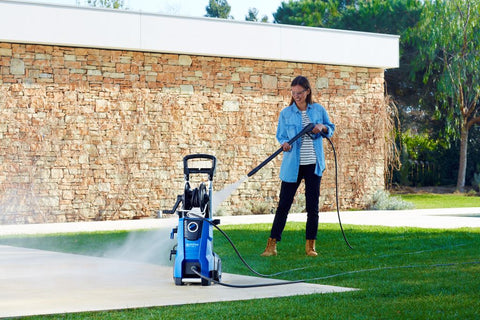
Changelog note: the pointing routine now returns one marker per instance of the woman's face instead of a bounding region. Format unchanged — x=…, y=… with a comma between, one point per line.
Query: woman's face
x=299, y=94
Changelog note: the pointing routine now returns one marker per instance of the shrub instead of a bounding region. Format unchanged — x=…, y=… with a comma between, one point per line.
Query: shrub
x=382, y=200
x=261, y=208
x=476, y=181
x=471, y=193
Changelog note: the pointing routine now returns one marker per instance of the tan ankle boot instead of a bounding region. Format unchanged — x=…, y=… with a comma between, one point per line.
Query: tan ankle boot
x=310, y=248
x=271, y=249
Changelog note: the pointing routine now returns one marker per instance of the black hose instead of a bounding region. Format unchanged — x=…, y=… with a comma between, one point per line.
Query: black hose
x=336, y=191
x=306, y=130
x=194, y=268
x=411, y=266
x=280, y=283
x=238, y=252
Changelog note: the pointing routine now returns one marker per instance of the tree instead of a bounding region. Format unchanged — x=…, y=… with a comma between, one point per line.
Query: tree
x=218, y=9
x=112, y=4
x=394, y=17
x=252, y=15
x=449, y=59
x=313, y=13
x=391, y=17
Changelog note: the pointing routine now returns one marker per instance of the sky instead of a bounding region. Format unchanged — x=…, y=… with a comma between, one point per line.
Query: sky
x=195, y=8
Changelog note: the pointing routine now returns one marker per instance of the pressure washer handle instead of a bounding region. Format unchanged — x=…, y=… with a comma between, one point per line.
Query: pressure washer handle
x=210, y=170
x=309, y=127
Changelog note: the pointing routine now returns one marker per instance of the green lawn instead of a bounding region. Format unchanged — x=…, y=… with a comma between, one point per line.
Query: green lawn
x=402, y=273
x=436, y=201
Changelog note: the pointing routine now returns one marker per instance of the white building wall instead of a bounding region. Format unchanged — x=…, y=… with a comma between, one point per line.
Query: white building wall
x=23, y=22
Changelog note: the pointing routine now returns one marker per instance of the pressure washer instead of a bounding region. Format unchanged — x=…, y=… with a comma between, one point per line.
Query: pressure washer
x=194, y=256
x=194, y=249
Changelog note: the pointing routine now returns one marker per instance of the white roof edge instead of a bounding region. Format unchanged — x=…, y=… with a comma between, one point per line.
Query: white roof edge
x=141, y=31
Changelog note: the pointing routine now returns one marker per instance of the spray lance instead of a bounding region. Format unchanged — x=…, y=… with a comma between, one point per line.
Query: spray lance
x=309, y=127
x=220, y=197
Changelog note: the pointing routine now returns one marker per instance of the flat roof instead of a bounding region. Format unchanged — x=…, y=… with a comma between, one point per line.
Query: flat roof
x=27, y=22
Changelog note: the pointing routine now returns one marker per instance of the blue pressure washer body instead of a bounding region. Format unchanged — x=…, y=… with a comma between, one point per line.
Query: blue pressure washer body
x=194, y=248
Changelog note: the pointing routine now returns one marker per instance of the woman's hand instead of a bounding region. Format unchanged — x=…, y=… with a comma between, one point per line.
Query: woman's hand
x=320, y=128
x=286, y=146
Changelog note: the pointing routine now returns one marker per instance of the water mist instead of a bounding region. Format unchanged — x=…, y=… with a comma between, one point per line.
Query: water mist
x=220, y=196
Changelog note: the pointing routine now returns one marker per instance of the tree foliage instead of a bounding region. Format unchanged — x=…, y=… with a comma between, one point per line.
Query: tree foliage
x=391, y=17
x=218, y=9
x=313, y=13
x=449, y=60
x=112, y=4
x=394, y=17
x=252, y=15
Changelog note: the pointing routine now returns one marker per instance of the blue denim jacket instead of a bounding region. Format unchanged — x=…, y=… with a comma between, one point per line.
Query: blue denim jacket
x=289, y=124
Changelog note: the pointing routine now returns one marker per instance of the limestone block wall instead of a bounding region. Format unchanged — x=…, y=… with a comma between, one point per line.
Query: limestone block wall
x=91, y=134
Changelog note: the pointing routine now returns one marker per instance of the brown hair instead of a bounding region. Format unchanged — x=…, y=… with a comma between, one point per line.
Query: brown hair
x=303, y=82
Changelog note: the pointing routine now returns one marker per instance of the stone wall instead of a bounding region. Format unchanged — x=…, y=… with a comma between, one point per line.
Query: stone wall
x=90, y=134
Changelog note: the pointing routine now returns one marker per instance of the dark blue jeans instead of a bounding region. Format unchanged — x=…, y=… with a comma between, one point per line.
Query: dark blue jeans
x=287, y=193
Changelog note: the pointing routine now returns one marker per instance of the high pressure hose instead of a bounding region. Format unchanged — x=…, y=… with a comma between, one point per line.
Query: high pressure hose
x=197, y=272
x=238, y=252
x=271, y=284
x=194, y=270
x=336, y=191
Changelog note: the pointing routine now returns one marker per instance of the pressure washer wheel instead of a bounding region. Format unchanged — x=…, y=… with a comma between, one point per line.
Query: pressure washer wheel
x=178, y=281
x=217, y=273
x=206, y=282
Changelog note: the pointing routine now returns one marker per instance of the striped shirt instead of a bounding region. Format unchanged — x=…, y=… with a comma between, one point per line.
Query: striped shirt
x=307, y=152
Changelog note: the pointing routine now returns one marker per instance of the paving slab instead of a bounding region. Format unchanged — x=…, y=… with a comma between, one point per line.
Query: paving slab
x=37, y=282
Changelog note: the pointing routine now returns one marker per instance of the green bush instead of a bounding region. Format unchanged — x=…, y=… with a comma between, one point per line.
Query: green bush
x=425, y=161
x=476, y=179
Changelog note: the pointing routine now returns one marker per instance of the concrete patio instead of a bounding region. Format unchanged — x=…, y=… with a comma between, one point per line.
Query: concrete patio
x=36, y=282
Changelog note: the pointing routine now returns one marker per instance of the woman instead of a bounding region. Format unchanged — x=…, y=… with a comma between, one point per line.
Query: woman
x=303, y=160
